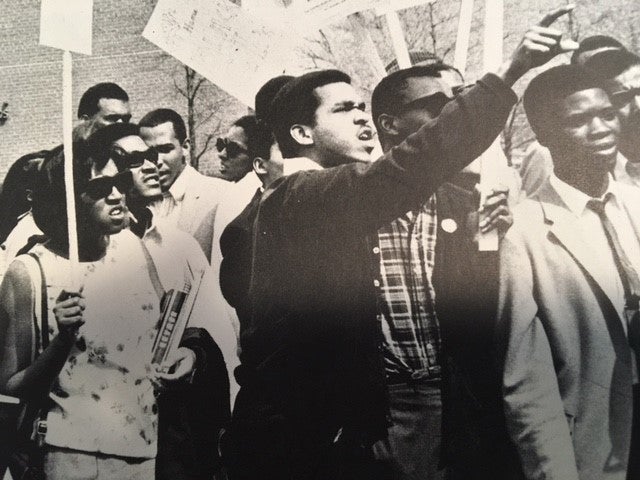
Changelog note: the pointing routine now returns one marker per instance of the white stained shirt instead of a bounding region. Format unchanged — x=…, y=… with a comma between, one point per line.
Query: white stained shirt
x=103, y=398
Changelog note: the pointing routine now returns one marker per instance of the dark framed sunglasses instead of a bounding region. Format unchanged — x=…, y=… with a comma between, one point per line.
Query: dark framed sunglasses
x=231, y=147
x=125, y=160
x=101, y=187
x=431, y=103
x=624, y=97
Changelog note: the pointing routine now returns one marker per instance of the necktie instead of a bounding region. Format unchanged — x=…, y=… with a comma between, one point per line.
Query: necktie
x=628, y=275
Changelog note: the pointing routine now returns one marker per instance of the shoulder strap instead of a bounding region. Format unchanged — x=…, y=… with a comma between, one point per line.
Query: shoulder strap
x=40, y=331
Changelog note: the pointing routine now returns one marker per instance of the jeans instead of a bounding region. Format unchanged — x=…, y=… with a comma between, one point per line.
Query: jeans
x=412, y=450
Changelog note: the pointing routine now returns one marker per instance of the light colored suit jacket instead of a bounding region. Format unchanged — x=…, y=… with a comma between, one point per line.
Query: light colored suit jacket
x=199, y=197
x=567, y=379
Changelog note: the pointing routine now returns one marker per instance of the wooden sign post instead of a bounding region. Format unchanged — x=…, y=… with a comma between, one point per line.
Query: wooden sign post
x=492, y=157
x=67, y=25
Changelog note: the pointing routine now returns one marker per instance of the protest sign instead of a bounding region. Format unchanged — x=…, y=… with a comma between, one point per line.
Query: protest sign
x=222, y=42
x=67, y=25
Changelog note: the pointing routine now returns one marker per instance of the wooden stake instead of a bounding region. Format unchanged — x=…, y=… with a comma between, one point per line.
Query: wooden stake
x=492, y=58
x=397, y=37
x=462, y=39
x=67, y=131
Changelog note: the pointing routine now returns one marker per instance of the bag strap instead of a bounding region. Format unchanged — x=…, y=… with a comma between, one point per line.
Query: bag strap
x=43, y=309
x=40, y=325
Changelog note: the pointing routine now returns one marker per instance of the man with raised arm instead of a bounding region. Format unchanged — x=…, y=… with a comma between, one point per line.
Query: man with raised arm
x=313, y=396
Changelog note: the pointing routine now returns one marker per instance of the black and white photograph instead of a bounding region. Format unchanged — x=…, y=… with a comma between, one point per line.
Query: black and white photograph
x=319, y=240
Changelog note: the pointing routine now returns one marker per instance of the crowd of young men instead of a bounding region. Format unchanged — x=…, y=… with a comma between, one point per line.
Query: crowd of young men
x=346, y=314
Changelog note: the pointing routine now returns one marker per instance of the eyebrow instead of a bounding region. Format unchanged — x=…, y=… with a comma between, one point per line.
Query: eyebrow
x=350, y=104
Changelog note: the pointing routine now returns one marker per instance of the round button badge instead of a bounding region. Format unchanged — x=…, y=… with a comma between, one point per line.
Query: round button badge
x=449, y=225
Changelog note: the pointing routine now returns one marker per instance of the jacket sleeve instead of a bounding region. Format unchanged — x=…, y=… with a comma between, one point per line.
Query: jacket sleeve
x=371, y=195
x=534, y=410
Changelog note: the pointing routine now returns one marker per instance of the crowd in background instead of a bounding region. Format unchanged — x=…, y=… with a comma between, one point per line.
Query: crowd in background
x=345, y=323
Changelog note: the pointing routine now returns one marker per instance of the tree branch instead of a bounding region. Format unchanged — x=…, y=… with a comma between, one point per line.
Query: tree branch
x=205, y=147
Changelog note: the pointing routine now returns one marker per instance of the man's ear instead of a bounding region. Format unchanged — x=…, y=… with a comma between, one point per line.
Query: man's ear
x=301, y=134
x=186, y=146
x=258, y=166
x=388, y=124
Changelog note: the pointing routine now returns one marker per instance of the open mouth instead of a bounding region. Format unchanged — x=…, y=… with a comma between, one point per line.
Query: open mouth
x=366, y=134
x=116, y=211
x=152, y=179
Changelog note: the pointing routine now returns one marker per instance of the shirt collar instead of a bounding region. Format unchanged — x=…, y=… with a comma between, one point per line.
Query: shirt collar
x=148, y=228
x=179, y=187
x=577, y=200
x=299, y=164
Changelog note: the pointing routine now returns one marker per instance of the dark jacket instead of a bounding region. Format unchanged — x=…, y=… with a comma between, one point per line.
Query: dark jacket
x=192, y=415
x=235, y=269
x=310, y=356
x=474, y=436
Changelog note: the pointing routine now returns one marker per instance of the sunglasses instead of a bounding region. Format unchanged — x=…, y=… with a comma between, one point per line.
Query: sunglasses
x=231, y=147
x=125, y=160
x=431, y=103
x=101, y=187
x=624, y=97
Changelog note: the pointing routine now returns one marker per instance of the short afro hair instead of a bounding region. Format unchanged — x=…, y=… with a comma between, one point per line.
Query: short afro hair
x=596, y=42
x=611, y=63
x=98, y=145
x=164, y=115
x=49, y=197
x=259, y=137
x=89, y=103
x=546, y=91
x=266, y=94
x=296, y=103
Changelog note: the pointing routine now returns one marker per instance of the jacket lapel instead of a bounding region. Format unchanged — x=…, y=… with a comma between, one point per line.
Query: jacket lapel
x=563, y=228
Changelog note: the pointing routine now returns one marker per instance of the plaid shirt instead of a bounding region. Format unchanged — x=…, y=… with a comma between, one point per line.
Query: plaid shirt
x=406, y=297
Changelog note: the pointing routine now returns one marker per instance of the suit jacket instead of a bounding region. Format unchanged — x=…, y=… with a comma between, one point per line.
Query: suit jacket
x=310, y=355
x=475, y=443
x=200, y=196
x=567, y=380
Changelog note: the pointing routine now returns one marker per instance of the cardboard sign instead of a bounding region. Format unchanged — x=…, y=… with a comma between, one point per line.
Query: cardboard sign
x=323, y=12
x=386, y=6
x=222, y=42
x=67, y=25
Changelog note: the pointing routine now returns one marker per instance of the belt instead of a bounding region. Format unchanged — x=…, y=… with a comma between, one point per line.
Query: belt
x=425, y=376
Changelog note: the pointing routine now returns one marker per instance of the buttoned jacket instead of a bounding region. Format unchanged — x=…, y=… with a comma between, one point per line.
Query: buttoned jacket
x=567, y=380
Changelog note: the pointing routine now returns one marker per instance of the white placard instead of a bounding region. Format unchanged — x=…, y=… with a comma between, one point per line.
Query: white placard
x=323, y=12
x=67, y=25
x=222, y=42
x=386, y=6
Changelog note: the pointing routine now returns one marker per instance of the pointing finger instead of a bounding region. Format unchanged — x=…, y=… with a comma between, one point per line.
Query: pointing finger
x=553, y=16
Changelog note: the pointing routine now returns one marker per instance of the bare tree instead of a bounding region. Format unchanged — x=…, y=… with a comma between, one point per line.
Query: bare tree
x=200, y=111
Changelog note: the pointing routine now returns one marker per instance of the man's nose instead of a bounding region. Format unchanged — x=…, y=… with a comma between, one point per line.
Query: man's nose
x=115, y=195
x=148, y=166
x=362, y=117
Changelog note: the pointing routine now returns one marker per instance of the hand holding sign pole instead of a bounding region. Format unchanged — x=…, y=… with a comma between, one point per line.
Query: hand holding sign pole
x=67, y=25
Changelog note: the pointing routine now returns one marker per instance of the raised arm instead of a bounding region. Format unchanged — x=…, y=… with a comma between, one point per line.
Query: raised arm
x=370, y=195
